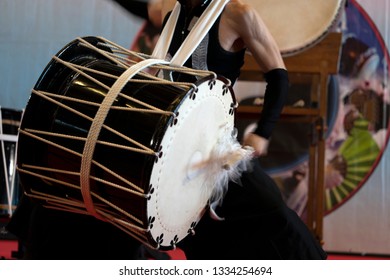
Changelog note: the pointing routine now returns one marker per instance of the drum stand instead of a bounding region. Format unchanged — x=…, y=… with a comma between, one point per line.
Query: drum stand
x=313, y=66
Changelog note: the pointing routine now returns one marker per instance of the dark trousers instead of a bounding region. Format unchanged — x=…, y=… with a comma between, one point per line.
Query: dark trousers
x=257, y=225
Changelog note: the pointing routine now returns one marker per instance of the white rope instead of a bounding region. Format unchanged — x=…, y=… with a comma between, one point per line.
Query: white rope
x=162, y=46
x=198, y=32
x=46, y=96
x=8, y=137
x=109, y=171
x=96, y=126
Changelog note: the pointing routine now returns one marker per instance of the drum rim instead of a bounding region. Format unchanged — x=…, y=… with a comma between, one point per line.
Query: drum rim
x=185, y=98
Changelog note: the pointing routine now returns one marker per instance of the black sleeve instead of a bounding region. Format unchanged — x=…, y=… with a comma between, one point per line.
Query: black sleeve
x=274, y=100
x=138, y=8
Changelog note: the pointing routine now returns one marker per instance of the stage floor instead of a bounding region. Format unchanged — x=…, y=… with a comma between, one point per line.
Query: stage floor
x=7, y=247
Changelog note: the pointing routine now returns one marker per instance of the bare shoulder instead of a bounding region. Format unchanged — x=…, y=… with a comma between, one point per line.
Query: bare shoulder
x=244, y=22
x=167, y=6
x=243, y=18
x=240, y=11
x=239, y=25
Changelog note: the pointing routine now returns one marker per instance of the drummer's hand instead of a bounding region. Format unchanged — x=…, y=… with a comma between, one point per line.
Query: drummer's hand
x=258, y=143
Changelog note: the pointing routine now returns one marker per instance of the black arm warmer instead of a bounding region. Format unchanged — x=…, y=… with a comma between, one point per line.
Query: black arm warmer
x=274, y=100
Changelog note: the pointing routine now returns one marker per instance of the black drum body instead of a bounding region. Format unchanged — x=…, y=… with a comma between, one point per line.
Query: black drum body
x=57, y=123
x=41, y=114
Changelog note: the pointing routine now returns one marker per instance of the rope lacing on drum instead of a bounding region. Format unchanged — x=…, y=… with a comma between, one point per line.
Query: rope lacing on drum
x=96, y=127
x=143, y=149
x=33, y=134
x=100, y=207
x=117, y=56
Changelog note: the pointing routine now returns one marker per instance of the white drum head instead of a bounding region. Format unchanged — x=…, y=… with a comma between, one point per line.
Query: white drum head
x=298, y=24
x=179, y=194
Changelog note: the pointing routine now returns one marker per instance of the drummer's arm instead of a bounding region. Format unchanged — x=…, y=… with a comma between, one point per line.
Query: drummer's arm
x=155, y=12
x=166, y=7
x=265, y=51
x=149, y=10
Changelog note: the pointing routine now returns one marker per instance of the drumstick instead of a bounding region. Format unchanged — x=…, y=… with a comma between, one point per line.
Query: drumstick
x=227, y=161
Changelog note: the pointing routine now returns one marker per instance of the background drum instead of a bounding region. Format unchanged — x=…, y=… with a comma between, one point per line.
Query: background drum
x=298, y=24
x=138, y=173
x=9, y=182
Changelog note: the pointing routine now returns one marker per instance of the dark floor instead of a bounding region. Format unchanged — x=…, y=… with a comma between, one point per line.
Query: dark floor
x=9, y=250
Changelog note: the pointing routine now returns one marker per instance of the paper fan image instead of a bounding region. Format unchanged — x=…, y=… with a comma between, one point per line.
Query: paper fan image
x=356, y=158
x=360, y=135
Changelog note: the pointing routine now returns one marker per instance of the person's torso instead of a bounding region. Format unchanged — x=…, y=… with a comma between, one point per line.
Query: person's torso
x=209, y=54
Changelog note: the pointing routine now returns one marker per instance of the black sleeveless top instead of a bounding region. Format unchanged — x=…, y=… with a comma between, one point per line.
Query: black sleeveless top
x=219, y=60
x=228, y=64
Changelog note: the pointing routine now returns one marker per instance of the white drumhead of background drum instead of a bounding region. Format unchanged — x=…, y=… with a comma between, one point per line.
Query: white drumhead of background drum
x=180, y=191
x=298, y=24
